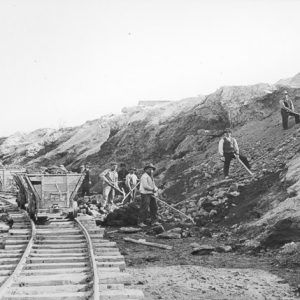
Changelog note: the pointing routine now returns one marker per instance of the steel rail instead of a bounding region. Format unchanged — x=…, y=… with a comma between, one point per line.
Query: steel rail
x=92, y=260
x=9, y=281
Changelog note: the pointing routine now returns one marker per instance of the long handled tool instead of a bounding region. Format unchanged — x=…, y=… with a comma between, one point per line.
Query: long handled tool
x=238, y=158
x=113, y=186
x=132, y=189
x=180, y=212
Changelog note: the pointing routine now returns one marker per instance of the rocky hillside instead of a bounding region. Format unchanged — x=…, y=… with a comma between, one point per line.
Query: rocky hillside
x=293, y=82
x=181, y=138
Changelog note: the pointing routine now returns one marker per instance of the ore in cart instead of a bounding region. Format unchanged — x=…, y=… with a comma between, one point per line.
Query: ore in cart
x=53, y=194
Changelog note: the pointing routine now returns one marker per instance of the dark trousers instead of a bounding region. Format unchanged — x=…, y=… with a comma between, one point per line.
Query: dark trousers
x=229, y=157
x=285, y=118
x=85, y=190
x=148, y=201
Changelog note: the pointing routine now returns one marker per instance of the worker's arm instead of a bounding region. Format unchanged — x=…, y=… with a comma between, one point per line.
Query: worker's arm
x=221, y=147
x=235, y=146
x=281, y=104
x=292, y=105
x=103, y=176
x=127, y=181
x=116, y=183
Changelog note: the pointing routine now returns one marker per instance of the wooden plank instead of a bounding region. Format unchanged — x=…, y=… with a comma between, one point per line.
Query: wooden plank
x=167, y=247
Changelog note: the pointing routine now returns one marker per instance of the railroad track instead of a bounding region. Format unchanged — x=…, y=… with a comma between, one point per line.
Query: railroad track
x=67, y=260
x=17, y=240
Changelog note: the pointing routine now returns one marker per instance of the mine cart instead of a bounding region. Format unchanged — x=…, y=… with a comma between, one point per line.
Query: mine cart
x=50, y=194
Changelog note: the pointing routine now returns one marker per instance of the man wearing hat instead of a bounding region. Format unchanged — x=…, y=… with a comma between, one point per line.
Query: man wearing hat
x=131, y=184
x=229, y=149
x=86, y=183
x=147, y=190
x=122, y=173
x=287, y=109
x=110, y=180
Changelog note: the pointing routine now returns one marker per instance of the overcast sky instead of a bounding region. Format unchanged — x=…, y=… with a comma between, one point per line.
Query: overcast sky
x=63, y=62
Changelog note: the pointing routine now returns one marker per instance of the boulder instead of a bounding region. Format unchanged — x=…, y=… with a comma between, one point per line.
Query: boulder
x=284, y=231
x=222, y=249
x=124, y=216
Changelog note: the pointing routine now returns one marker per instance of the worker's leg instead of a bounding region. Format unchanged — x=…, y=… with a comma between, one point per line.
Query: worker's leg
x=153, y=209
x=228, y=158
x=245, y=161
x=285, y=119
x=106, y=191
x=111, y=196
x=144, y=204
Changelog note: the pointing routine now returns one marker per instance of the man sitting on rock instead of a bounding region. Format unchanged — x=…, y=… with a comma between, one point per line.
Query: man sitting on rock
x=228, y=148
x=147, y=190
x=287, y=109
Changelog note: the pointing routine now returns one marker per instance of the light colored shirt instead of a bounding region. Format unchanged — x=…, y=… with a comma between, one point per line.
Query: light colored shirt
x=131, y=180
x=232, y=141
x=147, y=185
x=109, y=175
x=289, y=103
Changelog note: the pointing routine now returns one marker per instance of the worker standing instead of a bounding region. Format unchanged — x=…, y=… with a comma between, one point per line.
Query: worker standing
x=131, y=184
x=110, y=183
x=287, y=109
x=147, y=190
x=86, y=183
x=122, y=173
x=228, y=148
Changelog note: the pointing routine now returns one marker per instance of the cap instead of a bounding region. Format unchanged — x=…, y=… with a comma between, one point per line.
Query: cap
x=150, y=166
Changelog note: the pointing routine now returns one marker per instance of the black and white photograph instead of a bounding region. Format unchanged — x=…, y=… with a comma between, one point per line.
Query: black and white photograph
x=150, y=149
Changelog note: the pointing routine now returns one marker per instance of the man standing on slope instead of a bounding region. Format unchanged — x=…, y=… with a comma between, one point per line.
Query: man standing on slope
x=147, y=190
x=110, y=183
x=287, y=109
x=229, y=148
x=86, y=183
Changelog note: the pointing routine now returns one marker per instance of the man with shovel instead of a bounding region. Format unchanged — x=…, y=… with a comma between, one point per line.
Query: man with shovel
x=148, y=201
x=110, y=184
x=229, y=149
x=287, y=109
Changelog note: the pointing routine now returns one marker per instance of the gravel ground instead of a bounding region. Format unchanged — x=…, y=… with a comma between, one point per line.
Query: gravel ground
x=196, y=282
x=176, y=274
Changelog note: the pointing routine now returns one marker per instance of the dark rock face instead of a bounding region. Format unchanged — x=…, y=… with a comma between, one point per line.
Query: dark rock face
x=284, y=231
x=124, y=216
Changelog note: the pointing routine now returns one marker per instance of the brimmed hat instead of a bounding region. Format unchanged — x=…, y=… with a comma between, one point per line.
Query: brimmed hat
x=285, y=92
x=150, y=166
x=113, y=163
